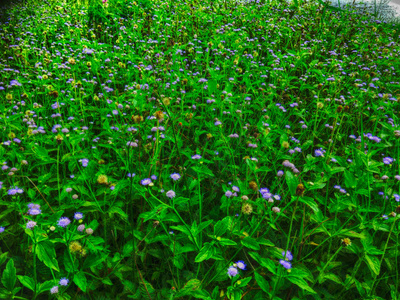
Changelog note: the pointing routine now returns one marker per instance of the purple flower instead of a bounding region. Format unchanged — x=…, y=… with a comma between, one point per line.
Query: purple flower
x=78, y=215
x=175, y=176
x=235, y=188
x=196, y=156
x=154, y=177
x=285, y=264
x=228, y=194
x=232, y=271
x=81, y=227
x=30, y=224
x=2, y=229
x=318, y=153
x=64, y=281
x=54, y=289
x=68, y=190
x=145, y=181
x=241, y=265
x=84, y=161
x=289, y=255
x=170, y=194
x=397, y=177
x=280, y=173
x=63, y=222
x=387, y=160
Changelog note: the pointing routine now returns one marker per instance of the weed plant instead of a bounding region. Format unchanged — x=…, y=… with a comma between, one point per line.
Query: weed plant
x=187, y=150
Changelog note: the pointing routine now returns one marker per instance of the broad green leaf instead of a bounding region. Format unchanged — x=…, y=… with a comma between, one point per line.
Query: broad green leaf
x=221, y=226
x=80, y=281
x=9, y=277
x=3, y=258
x=373, y=264
x=251, y=243
x=227, y=242
x=70, y=266
x=291, y=182
x=301, y=283
x=45, y=286
x=310, y=202
x=262, y=282
x=27, y=282
x=46, y=253
x=94, y=260
x=128, y=248
x=349, y=180
x=206, y=252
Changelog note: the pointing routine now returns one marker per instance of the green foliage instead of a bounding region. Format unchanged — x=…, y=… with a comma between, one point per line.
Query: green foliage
x=250, y=103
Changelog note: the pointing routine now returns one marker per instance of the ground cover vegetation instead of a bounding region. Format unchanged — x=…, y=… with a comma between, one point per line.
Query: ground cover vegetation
x=198, y=150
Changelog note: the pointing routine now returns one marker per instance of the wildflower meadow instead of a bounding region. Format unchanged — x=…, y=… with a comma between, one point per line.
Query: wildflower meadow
x=198, y=150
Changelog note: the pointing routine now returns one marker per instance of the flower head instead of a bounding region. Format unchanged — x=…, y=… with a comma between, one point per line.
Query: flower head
x=285, y=264
x=232, y=271
x=145, y=181
x=175, y=176
x=54, y=289
x=30, y=224
x=288, y=256
x=78, y=216
x=170, y=194
x=241, y=265
x=2, y=229
x=63, y=222
x=64, y=281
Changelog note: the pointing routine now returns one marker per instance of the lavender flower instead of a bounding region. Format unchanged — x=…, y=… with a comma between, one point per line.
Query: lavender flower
x=84, y=162
x=285, y=264
x=30, y=224
x=175, y=176
x=196, y=156
x=145, y=181
x=228, y=194
x=170, y=194
x=232, y=271
x=241, y=265
x=54, y=289
x=81, y=227
x=2, y=229
x=78, y=216
x=387, y=160
x=64, y=281
x=63, y=222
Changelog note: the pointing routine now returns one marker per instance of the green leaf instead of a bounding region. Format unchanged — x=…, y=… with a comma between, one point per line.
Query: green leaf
x=251, y=243
x=94, y=260
x=69, y=265
x=227, y=242
x=128, y=248
x=3, y=258
x=349, y=180
x=262, y=282
x=373, y=264
x=80, y=281
x=212, y=85
x=46, y=286
x=310, y=202
x=27, y=282
x=221, y=226
x=301, y=283
x=291, y=182
x=9, y=277
x=118, y=211
x=206, y=252
x=46, y=253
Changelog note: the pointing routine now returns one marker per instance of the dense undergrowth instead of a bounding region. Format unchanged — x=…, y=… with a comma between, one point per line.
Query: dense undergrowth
x=174, y=150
